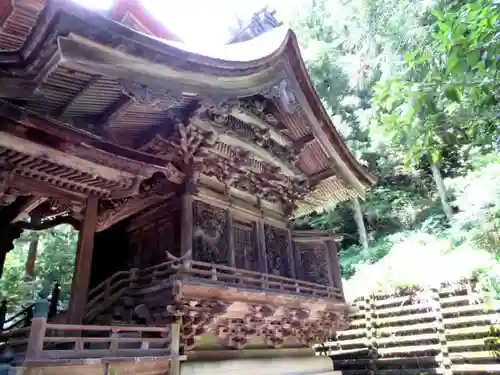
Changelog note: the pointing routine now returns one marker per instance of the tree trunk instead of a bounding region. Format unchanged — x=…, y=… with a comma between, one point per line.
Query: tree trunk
x=360, y=223
x=438, y=179
x=33, y=249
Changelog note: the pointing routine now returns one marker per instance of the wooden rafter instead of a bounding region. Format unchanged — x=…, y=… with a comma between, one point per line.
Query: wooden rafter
x=60, y=112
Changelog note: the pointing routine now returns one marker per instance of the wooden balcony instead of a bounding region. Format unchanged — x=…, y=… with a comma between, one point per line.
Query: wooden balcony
x=149, y=349
x=213, y=298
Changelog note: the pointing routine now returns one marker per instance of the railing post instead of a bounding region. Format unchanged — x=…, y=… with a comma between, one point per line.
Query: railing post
x=29, y=315
x=54, y=300
x=175, y=336
x=37, y=331
x=3, y=312
x=107, y=290
x=134, y=276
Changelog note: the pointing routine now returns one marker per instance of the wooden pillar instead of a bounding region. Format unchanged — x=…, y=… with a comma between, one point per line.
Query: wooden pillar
x=299, y=270
x=329, y=264
x=175, y=333
x=187, y=223
x=37, y=330
x=334, y=264
x=32, y=252
x=83, y=262
x=230, y=238
x=291, y=254
x=261, y=245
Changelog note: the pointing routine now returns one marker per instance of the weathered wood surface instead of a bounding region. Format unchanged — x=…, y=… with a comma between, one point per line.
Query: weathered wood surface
x=441, y=331
x=46, y=343
x=256, y=125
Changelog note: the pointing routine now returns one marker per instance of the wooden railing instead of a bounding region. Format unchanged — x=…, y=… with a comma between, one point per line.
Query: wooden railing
x=235, y=276
x=23, y=317
x=44, y=341
x=117, y=285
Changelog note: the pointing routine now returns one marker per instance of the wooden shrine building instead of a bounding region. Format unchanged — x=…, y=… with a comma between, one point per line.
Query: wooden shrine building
x=181, y=171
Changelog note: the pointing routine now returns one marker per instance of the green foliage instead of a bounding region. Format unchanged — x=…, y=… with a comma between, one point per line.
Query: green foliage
x=54, y=263
x=410, y=84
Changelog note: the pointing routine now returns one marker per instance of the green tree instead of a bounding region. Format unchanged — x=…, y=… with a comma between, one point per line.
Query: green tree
x=54, y=263
x=405, y=85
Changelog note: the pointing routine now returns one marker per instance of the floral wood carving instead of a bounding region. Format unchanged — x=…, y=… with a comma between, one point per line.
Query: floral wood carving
x=261, y=137
x=190, y=145
x=210, y=244
x=145, y=95
x=230, y=170
x=285, y=94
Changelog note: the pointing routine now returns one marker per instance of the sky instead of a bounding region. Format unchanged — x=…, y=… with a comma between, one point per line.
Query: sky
x=196, y=22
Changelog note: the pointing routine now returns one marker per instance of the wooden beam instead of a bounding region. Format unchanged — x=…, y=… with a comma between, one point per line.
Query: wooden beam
x=334, y=263
x=175, y=336
x=32, y=203
x=16, y=88
x=304, y=141
x=83, y=262
x=291, y=253
x=314, y=236
x=115, y=111
x=330, y=267
x=230, y=239
x=25, y=119
x=276, y=132
x=317, y=178
x=261, y=243
x=44, y=188
x=299, y=270
x=187, y=224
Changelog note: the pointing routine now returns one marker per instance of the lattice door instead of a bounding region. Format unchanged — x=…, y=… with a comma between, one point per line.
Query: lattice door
x=245, y=250
x=278, y=262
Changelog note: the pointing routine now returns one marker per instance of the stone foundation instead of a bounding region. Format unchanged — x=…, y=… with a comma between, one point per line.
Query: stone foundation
x=310, y=365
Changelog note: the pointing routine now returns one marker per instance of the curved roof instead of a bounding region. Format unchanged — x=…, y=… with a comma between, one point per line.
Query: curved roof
x=106, y=54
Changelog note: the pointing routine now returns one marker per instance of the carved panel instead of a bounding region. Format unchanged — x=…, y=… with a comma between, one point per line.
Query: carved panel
x=284, y=93
x=313, y=263
x=245, y=249
x=150, y=241
x=278, y=262
x=145, y=95
x=209, y=242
